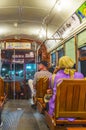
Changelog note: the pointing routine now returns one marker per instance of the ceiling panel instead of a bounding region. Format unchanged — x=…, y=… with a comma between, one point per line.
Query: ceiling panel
x=34, y=15
x=9, y=14
x=6, y=3
x=41, y=4
x=58, y=18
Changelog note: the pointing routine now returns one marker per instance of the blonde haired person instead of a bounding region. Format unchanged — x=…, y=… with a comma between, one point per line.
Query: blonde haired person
x=65, y=69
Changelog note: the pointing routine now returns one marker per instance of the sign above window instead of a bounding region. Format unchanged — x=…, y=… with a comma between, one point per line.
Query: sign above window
x=18, y=45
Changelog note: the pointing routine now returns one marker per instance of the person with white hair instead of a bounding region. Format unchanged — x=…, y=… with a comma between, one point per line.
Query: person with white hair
x=33, y=92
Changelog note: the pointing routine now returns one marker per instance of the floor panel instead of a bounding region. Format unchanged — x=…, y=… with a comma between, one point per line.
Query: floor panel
x=18, y=115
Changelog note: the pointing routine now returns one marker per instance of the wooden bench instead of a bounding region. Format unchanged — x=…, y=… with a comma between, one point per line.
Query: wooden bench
x=2, y=96
x=15, y=86
x=41, y=88
x=2, y=92
x=70, y=103
x=76, y=128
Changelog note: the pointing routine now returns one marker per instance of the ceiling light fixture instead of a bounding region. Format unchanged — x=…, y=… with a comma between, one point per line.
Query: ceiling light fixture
x=42, y=33
x=15, y=24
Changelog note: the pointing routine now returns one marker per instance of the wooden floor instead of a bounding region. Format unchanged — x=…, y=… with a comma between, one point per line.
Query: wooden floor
x=18, y=115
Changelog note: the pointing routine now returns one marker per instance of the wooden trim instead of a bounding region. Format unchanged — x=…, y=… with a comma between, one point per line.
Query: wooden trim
x=76, y=128
x=82, y=58
x=74, y=122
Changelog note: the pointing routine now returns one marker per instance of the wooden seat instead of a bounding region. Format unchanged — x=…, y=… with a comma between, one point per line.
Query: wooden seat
x=2, y=93
x=15, y=86
x=70, y=103
x=41, y=88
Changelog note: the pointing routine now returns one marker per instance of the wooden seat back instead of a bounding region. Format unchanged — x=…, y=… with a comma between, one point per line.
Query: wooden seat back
x=71, y=99
x=17, y=86
x=41, y=87
x=1, y=88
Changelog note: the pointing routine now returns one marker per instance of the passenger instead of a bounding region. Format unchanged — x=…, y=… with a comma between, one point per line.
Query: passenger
x=64, y=70
x=43, y=71
x=47, y=97
x=51, y=69
x=7, y=77
x=30, y=84
x=33, y=93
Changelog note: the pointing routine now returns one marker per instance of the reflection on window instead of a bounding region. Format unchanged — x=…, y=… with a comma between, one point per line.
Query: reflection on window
x=53, y=59
x=30, y=70
x=19, y=72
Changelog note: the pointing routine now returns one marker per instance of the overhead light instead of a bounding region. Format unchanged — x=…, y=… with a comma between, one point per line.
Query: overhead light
x=2, y=30
x=15, y=24
x=59, y=5
x=63, y=5
x=42, y=33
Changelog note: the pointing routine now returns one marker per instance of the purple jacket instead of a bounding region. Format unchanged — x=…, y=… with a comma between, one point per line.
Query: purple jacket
x=60, y=74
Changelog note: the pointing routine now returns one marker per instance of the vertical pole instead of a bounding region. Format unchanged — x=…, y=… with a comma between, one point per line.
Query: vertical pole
x=46, y=30
x=76, y=52
x=24, y=68
x=36, y=60
x=14, y=75
x=37, y=56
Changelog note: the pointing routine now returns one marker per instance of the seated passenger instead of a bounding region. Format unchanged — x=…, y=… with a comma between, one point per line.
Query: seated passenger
x=30, y=84
x=65, y=70
x=43, y=71
x=33, y=93
x=47, y=97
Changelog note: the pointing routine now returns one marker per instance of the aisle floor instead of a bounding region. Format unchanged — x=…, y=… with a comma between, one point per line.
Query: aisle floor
x=18, y=115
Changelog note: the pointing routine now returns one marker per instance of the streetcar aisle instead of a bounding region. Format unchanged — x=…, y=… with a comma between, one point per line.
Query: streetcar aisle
x=18, y=115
